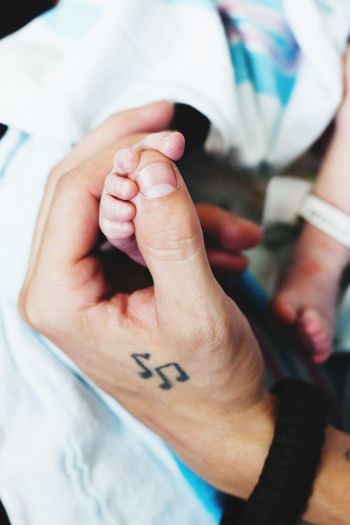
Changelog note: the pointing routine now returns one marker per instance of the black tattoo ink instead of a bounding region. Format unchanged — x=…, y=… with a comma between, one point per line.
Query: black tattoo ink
x=166, y=384
x=347, y=454
x=147, y=373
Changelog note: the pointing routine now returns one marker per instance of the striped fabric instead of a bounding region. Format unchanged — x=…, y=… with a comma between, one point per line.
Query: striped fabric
x=265, y=57
x=263, y=49
x=264, y=53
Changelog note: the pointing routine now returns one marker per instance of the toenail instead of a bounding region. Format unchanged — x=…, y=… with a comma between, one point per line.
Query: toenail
x=157, y=180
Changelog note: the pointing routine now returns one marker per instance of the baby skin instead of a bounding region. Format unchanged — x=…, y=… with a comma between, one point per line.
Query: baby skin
x=307, y=294
x=225, y=234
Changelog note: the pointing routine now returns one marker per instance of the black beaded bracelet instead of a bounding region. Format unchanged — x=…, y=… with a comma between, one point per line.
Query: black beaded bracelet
x=285, y=484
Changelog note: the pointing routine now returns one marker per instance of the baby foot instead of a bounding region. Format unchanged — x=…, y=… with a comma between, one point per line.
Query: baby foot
x=225, y=234
x=117, y=210
x=308, y=291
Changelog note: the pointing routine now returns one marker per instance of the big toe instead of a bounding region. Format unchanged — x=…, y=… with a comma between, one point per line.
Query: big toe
x=315, y=333
x=284, y=308
x=169, y=143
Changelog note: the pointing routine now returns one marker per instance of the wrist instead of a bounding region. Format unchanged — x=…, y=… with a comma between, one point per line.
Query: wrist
x=230, y=453
x=330, y=503
x=247, y=446
x=247, y=449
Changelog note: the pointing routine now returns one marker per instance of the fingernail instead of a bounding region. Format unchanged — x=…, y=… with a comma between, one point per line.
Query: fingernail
x=157, y=180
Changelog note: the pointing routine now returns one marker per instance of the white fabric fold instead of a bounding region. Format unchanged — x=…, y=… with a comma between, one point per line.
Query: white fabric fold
x=137, y=53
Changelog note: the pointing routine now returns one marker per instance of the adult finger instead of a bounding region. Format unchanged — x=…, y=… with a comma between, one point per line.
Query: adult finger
x=227, y=230
x=170, y=239
x=226, y=262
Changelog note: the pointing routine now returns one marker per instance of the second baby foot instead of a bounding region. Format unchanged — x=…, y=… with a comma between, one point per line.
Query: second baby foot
x=308, y=291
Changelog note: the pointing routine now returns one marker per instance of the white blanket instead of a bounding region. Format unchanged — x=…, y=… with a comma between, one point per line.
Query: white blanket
x=119, y=54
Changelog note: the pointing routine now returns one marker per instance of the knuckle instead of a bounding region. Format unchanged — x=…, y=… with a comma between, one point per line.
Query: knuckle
x=175, y=245
x=63, y=182
x=60, y=179
x=178, y=239
x=67, y=183
x=38, y=310
x=30, y=309
x=54, y=178
x=54, y=175
x=113, y=126
x=22, y=305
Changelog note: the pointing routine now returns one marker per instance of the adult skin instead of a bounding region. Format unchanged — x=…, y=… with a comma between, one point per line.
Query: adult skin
x=185, y=318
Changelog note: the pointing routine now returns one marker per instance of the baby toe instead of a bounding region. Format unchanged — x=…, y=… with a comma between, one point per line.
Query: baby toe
x=173, y=145
x=170, y=143
x=284, y=308
x=315, y=333
x=125, y=161
x=117, y=210
x=115, y=231
x=120, y=187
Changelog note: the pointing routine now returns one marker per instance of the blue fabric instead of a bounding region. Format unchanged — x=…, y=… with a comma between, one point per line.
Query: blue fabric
x=208, y=495
x=263, y=49
x=72, y=19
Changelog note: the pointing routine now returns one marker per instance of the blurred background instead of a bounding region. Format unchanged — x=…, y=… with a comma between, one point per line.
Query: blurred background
x=17, y=13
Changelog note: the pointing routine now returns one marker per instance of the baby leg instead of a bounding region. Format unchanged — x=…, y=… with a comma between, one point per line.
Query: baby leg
x=308, y=290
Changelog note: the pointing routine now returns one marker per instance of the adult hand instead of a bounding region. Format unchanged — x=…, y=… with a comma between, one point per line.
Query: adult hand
x=184, y=319
x=226, y=235
x=218, y=418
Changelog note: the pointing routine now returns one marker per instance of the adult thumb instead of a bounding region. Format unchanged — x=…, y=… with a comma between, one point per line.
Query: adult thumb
x=170, y=238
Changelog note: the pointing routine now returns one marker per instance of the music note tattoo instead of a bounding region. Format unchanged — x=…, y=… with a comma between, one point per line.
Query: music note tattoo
x=146, y=372
x=181, y=378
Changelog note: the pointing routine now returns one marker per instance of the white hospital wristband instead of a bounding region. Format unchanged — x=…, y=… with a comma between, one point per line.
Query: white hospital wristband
x=327, y=218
